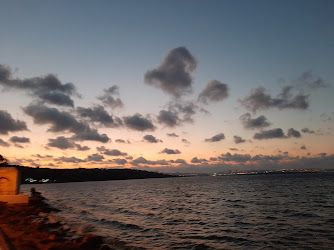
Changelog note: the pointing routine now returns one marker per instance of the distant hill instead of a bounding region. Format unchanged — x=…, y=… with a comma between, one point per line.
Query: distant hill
x=45, y=175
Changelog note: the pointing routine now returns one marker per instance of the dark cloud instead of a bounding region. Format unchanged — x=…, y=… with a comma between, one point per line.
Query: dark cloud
x=95, y=157
x=269, y=134
x=61, y=142
x=16, y=139
x=293, y=133
x=8, y=124
x=122, y=141
x=233, y=149
x=196, y=160
x=170, y=151
x=181, y=161
x=110, y=152
x=69, y=160
x=173, y=74
x=2, y=142
x=66, y=143
x=303, y=147
x=138, y=122
x=100, y=115
x=61, y=121
x=235, y=157
x=260, y=100
x=111, y=98
x=314, y=82
x=168, y=118
x=185, y=141
x=120, y=161
x=47, y=88
x=151, y=139
x=142, y=160
x=216, y=138
x=42, y=157
x=307, y=131
x=178, y=113
x=249, y=123
x=172, y=135
x=214, y=91
x=238, y=139
x=81, y=148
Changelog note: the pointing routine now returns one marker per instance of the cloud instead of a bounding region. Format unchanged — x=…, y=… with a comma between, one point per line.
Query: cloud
x=61, y=142
x=122, y=141
x=111, y=98
x=110, y=152
x=249, y=123
x=235, y=157
x=259, y=100
x=214, y=91
x=314, y=82
x=8, y=124
x=173, y=74
x=185, y=141
x=196, y=160
x=293, y=133
x=307, y=131
x=238, y=139
x=168, y=118
x=233, y=149
x=100, y=115
x=216, y=138
x=16, y=139
x=269, y=134
x=151, y=139
x=95, y=157
x=69, y=159
x=142, y=160
x=81, y=148
x=47, y=88
x=120, y=161
x=178, y=113
x=181, y=161
x=66, y=143
x=172, y=135
x=138, y=122
x=61, y=121
x=170, y=151
x=2, y=142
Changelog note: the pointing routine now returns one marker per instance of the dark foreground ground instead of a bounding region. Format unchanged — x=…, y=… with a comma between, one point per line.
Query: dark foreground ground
x=35, y=226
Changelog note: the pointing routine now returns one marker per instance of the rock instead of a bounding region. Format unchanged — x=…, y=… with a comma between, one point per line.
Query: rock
x=91, y=241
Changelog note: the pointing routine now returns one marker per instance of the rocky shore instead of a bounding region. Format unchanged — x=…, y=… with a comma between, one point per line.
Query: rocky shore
x=35, y=226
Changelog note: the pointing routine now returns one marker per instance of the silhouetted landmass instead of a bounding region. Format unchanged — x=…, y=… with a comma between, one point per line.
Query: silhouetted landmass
x=43, y=175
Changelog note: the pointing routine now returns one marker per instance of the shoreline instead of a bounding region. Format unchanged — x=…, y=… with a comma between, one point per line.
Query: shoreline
x=35, y=226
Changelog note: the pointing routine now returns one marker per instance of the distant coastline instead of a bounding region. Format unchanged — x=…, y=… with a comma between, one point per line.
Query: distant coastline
x=47, y=175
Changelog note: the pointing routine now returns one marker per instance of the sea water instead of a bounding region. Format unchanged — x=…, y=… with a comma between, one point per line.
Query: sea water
x=275, y=211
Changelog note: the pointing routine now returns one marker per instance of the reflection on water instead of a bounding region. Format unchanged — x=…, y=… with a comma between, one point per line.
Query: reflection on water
x=266, y=211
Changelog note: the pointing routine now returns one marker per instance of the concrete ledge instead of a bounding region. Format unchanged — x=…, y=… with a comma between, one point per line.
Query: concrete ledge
x=5, y=243
x=15, y=199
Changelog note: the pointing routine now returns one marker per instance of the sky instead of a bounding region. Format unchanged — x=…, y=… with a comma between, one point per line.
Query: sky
x=168, y=86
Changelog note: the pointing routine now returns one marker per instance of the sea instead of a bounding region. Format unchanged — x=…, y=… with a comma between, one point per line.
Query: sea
x=273, y=211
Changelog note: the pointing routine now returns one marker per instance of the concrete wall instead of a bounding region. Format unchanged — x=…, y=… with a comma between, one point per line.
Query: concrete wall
x=9, y=181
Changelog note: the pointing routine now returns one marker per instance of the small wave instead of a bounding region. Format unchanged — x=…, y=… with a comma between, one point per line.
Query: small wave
x=121, y=224
x=310, y=215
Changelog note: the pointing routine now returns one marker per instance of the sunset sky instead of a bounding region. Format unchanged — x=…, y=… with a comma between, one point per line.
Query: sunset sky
x=171, y=86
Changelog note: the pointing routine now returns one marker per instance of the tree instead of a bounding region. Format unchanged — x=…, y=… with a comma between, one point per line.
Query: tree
x=3, y=161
